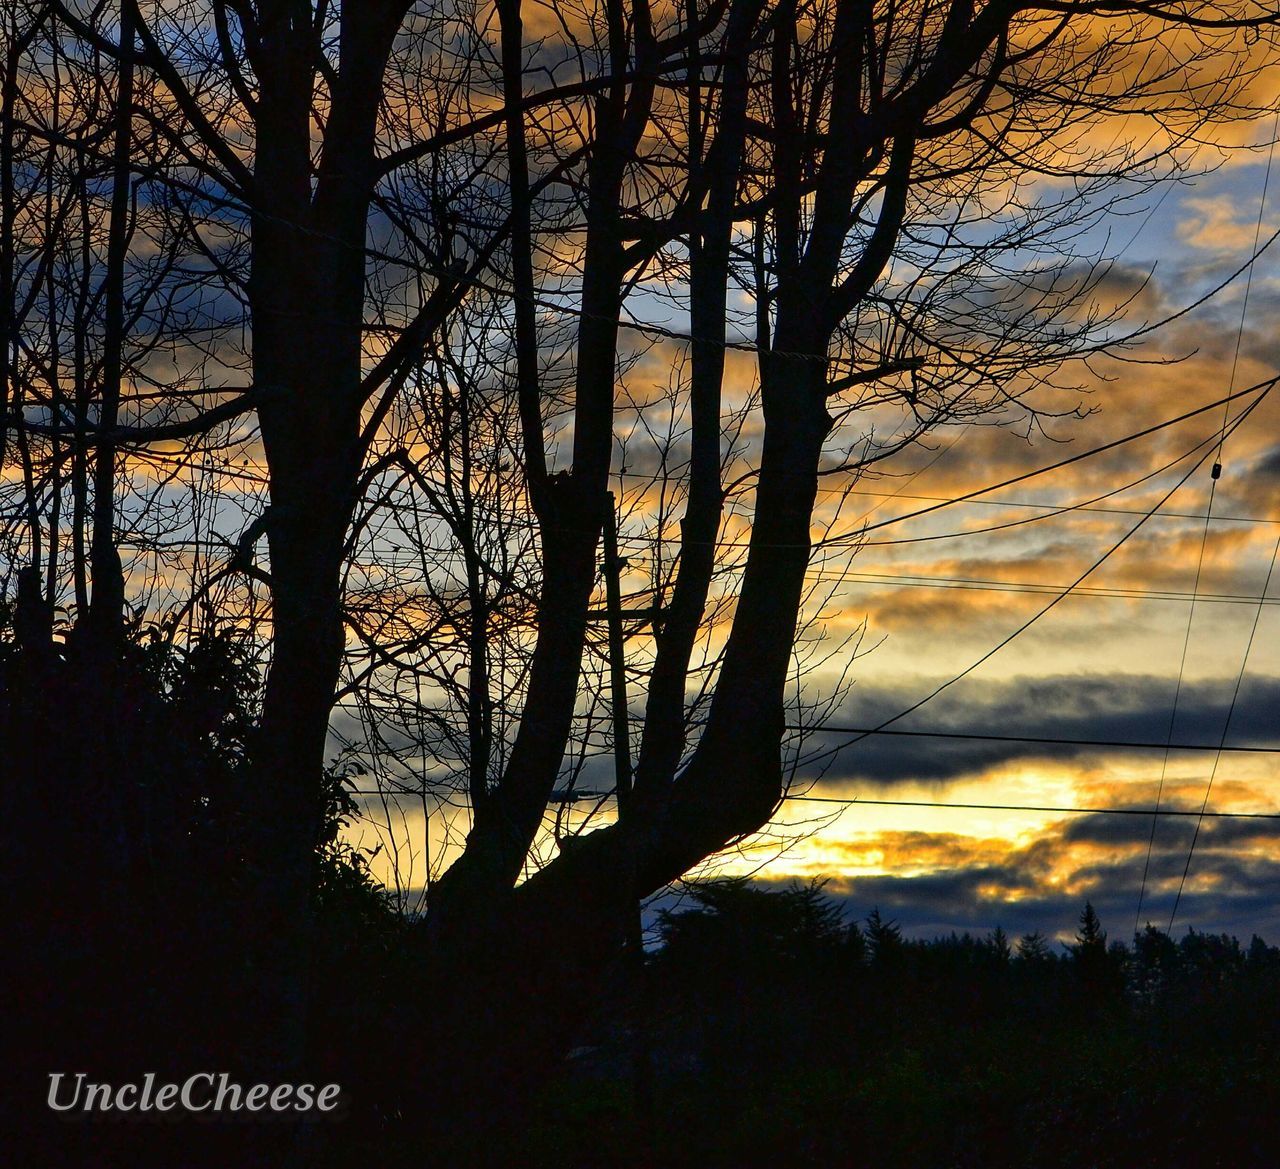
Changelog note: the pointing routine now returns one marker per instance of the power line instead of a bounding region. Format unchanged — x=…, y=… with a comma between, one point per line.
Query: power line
x=851, y=801
x=1177, y=692
x=1239, y=419
x=1204, y=539
x=864, y=732
x=1261, y=388
x=441, y=558
x=1071, y=811
x=972, y=496
x=1052, y=512
x=1226, y=726
x=1060, y=507
x=1037, y=588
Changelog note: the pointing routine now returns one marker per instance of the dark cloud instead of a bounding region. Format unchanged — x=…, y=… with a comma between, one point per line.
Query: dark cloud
x=1174, y=832
x=1268, y=464
x=1119, y=708
x=1260, y=344
x=1097, y=858
x=1117, y=831
x=1134, y=287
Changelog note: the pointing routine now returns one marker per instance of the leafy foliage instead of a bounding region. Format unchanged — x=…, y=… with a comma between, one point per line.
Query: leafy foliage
x=136, y=769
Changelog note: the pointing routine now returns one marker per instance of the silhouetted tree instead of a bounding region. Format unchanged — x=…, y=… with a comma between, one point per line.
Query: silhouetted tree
x=1260, y=957
x=1154, y=966
x=1091, y=937
x=1033, y=949
x=884, y=941
x=350, y=184
x=1099, y=972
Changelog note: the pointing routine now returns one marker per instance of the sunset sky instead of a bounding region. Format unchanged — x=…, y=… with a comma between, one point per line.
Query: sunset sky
x=1107, y=662
x=940, y=591
x=502, y=498
x=926, y=570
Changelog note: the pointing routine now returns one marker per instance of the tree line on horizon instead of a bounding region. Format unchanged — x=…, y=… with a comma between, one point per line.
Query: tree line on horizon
x=734, y=917
x=843, y=1043
x=828, y=1041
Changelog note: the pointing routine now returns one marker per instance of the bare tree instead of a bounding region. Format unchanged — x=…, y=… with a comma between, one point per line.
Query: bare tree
x=447, y=220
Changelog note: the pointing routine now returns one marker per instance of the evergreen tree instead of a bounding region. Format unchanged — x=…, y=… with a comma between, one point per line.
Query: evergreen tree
x=1091, y=936
x=1033, y=948
x=1100, y=974
x=883, y=937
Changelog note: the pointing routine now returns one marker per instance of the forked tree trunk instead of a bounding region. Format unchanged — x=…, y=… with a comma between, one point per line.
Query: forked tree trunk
x=307, y=298
x=570, y=507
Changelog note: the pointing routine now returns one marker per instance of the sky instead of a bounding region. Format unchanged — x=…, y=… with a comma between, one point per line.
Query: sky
x=1167, y=639
x=1149, y=648
x=1125, y=597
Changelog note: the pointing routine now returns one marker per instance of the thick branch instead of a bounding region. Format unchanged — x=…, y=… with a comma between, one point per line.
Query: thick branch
x=137, y=435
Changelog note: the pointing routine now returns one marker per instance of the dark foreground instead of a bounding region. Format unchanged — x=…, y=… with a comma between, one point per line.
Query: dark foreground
x=764, y=1030
x=787, y=1039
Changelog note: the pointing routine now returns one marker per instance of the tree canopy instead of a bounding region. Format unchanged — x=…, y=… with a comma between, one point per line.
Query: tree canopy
x=351, y=331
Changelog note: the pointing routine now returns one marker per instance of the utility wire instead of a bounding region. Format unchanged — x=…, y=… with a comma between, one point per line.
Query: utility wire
x=450, y=562
x=1261, y=388
x=864, y=732
x=850, y=801
x=1177, y=692
x=1235, y=424
x=1226, y=726
x=1057, y=507
x=1050, y=512
x=1204, y=539
x=1073, y=811
x=1034, y=588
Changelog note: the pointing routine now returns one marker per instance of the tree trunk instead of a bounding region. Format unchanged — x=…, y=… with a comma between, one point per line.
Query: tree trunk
x=570, y=511
x=306, y=298
x=106, y=608
x=709, y=247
